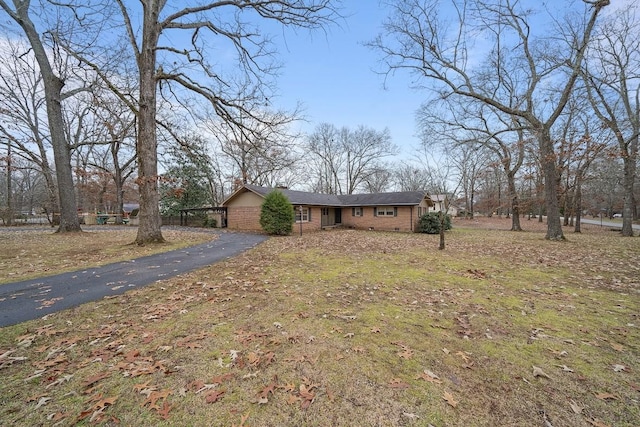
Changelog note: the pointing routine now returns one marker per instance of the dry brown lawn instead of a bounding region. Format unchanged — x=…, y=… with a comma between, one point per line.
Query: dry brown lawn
x=28, y=252
x=351, y=328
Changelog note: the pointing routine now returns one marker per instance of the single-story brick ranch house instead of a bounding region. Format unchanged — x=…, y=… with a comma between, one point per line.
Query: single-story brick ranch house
x=378, y=211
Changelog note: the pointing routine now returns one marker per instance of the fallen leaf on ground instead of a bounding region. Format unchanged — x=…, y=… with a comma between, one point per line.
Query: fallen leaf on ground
x=429, y=376
x=270, y=388
x=448, y=397
x=464, y=356
x=406, y=354
x=243, y=419
x=617, y=347
x=94, y=379
x=222, y=378
x=214, y=396
x=292, y=399
x=575, y=407
x=164, y=411
x=206, y=387
x=607, y=396
x=42, y=401
x=398, y=383
x=306, y=395
x=538, y=372
x=155, y=396
x=107, y=401
x=57, y=416
x=62, y=379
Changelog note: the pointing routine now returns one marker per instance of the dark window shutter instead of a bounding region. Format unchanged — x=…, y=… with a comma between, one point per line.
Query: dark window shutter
x=353, y=211
x=395, y=211
x=309, y=214
x=375, y=211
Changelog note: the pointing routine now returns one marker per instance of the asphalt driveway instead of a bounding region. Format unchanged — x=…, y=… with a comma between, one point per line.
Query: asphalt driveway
x=31, y=299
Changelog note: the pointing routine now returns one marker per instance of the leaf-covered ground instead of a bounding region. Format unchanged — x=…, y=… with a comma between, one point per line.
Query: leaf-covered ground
x=347, y=328
x=33, y=251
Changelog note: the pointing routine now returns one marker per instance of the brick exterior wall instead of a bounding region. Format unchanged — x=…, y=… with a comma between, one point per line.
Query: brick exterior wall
x=248, y=218
x=244, y=218
x=404, y=221
x=243, y=213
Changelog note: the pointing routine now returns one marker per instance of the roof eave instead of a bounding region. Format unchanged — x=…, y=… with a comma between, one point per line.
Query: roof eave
x=239, y=191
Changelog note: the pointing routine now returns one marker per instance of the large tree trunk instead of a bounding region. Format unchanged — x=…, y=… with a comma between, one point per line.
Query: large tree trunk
x=441, y=244
x=548, y=161
x=515, y=203
x=50, y=182
x=10, y=214
x=146, y=148
x=629, y=159
x=66, y=190
x=61, y=153
x=578, y=202
x=119, y=199
x=119, y=184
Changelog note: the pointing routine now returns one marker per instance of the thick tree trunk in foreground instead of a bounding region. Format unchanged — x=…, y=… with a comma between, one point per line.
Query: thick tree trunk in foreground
x=548, y=161
x=146, y=148
x=66, y=190
x=53, y=97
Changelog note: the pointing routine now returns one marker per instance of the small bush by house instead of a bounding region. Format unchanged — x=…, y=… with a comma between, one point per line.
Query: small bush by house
x=430, y=223
x=276, y=214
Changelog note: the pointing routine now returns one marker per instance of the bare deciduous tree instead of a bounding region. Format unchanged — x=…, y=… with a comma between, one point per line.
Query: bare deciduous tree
x=613, y=81
x=473, y=124
x=411, y=177
x=469, y=161
x=343, y=159
x=259, y=151
x=113, y=145
x=22, y=112
x=180, y=68
x=325, y=159
x=53, y=82
x=541, y=69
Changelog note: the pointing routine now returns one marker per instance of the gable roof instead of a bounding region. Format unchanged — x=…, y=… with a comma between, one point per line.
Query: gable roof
x=438, y=197
x=403, y=198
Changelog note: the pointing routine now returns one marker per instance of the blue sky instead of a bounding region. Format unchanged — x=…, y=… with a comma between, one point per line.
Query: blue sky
x=333, y=76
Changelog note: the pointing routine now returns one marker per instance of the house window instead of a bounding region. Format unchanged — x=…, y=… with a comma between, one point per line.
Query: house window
x=385, y=211
x=356, y=211
x=302, y=214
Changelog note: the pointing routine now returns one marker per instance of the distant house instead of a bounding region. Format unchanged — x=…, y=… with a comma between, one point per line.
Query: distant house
x=378, y=211
x=441, y=203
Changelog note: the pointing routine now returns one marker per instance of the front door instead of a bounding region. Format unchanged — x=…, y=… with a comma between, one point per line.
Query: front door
x=338, y=215
x=325, y=217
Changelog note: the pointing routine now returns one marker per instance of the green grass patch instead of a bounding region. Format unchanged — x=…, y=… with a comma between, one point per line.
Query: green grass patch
x=349, y=328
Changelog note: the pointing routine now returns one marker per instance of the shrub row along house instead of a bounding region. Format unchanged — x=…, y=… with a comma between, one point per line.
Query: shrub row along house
x=379, y=211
